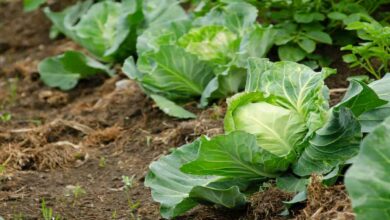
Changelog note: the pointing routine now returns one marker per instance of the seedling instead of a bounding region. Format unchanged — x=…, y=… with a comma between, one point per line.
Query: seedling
x=102, y=162
x=77, y=192
x=127, y=185
x=47, y=213
x=5, y=117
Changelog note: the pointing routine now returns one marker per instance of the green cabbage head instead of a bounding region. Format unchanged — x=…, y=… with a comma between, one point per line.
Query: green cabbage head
x=215, y=43
x=284, y=103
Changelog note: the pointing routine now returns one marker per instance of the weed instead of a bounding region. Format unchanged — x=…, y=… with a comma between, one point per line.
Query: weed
x=47, y=213
x=4, y=117
x=127, y=185
x=102, y=162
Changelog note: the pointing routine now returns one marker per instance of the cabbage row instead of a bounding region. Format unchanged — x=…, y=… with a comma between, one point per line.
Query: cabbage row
x=280, y=128
x=278, y=125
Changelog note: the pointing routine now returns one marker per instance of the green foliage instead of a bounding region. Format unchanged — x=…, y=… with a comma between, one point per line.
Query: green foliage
x=178, y=192
x=374, y=48
x=107, y=29
x=170, y=108
x=31, y=5
x=280, y=127
x=368, y=179
x=204, y=58
x=370, y=119
x=65, y=70
x=6, y=116
x=47, y=213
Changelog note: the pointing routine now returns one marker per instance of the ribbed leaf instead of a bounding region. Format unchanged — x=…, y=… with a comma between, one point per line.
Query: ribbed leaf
x=65, y=70
x=368, y=180
x=174, y=73
x=360, y=98
x=369, y=120
x=178, y=192
x=235, y=155
x=331, y=145
x=170, y=108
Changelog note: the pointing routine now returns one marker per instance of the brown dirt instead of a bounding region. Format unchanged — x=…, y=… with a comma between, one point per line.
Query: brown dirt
x=326, y=202
x=268, y=204
x=91, y=136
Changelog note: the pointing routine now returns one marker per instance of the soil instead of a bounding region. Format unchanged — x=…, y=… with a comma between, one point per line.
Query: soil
x=71, y=149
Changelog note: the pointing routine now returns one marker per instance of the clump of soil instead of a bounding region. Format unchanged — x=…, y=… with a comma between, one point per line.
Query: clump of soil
x=326, y=202
x=268, y=204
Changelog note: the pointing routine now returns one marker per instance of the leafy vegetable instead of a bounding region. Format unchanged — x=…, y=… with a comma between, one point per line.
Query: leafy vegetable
x=280, y=127
x=175, y=78
x=276, y=128
x=65, y=70
x=204, y=59
x=339, y=139
x=109, y=29
x=368, y=179
x=213, y=43
x=332, y=145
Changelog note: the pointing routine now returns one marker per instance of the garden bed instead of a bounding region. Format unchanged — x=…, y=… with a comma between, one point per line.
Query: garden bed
x=93, y=135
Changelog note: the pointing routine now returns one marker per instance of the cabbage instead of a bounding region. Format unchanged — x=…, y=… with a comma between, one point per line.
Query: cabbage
x=277, y=129
x=215, y=43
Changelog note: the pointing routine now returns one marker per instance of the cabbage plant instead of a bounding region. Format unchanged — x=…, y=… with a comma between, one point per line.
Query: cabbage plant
x=200, y=58
x=281, y=125
x=109, y=29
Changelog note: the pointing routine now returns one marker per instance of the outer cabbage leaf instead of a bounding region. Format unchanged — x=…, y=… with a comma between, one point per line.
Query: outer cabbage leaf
x=170, y=108
x=172, y=72
x=229, y=82
x=255, y=43
x=368, y=180
x=339, y=139
x=369, y=120
x=240, y=16
x=212, y=43
x=107, y=29
x=178, y=192
x=295, y=86
x=360, y=98
x=160, y=13
x=236, y=16
x=65, y=70
x=96, y=30
x=235, y=155
x=331, y=145
x=110, y=27
x=277, y=129
x=165, y=22
x=152, y=38
x=66, y=20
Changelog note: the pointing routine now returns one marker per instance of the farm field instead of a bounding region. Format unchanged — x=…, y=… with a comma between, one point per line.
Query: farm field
x=148, y=109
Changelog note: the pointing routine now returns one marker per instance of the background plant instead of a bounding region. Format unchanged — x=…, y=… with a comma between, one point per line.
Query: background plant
x=373, y=54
